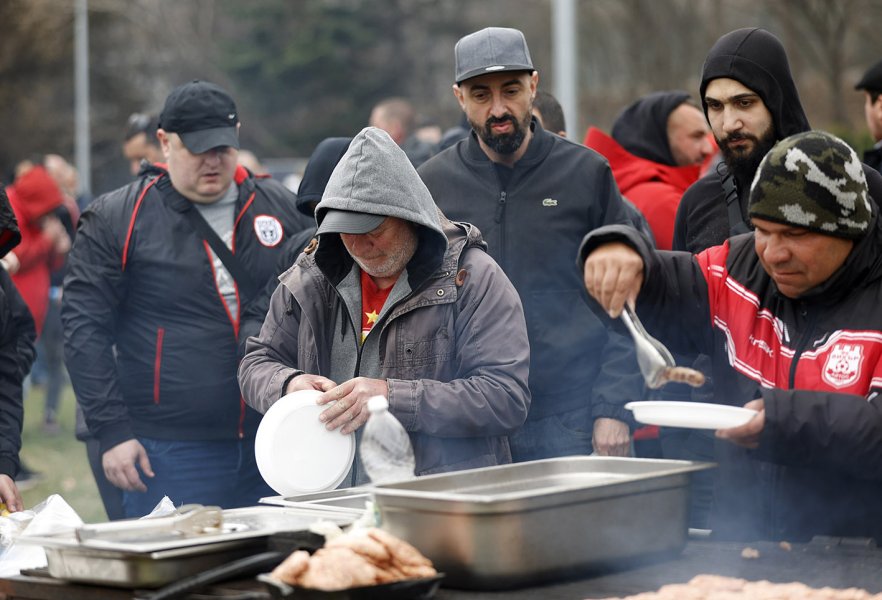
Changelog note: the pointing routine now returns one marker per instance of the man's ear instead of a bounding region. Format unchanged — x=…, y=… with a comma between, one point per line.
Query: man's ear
x=534, y=83
x=460, y=96
x=164, y=142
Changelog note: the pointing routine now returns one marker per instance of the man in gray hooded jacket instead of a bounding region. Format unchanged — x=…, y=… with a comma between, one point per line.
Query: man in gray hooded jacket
x=400, y=302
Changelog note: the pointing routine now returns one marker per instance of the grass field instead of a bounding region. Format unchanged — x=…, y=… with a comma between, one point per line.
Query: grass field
x=60, y=459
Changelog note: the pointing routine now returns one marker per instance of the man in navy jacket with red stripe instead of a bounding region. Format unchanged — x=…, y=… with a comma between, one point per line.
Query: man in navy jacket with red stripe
x=789, y=314
x=151, y=314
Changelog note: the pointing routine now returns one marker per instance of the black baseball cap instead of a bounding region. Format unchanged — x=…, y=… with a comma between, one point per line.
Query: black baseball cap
x=348, y=221
x=203, y=114
x=872, y=79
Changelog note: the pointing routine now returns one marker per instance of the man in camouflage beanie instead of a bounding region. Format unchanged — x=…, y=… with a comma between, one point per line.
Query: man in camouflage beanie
x=815, y=181
x=789, y=317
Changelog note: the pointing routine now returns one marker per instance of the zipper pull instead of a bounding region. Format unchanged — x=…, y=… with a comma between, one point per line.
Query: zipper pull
x=500, y=207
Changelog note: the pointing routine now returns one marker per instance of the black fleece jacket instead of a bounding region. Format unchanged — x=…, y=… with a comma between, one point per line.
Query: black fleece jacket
x=555, y=194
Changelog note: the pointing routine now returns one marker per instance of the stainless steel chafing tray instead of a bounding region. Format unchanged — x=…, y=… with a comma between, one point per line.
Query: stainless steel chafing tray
x=524, y=523
x=346, y=500
x=148, y=559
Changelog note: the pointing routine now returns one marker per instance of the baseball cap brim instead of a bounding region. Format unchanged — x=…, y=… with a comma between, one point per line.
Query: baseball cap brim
x=204, y=140
x=493, y=69
x=347, y=221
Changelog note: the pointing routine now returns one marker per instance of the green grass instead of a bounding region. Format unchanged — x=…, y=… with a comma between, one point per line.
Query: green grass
x=60, y=459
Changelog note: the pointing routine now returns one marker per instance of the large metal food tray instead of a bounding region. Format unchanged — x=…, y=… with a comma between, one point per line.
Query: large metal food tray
x=153, y=563
x=500, y=527
x=346, y=500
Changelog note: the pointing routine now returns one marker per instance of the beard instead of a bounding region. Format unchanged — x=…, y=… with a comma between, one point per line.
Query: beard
x=506, y=143
x=743, y=165
x=396, y=258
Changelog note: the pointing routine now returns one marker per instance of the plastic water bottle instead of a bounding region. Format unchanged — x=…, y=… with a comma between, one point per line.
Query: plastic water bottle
x=386, y=452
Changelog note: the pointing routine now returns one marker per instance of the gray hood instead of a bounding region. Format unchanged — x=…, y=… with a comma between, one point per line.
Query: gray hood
x=375, y=176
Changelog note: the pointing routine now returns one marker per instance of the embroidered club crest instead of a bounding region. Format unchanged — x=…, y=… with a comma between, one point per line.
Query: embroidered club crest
x=843, y=365
x=268, y=230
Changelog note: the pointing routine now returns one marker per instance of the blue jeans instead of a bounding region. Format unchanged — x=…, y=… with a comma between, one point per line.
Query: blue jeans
x=219, y=473
x=565, y=434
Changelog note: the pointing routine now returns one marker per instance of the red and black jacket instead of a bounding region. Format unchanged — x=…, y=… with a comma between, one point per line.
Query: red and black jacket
x=817, y=363
x=149, y=342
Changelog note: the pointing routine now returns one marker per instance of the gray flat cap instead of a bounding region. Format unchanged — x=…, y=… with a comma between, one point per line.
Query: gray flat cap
x=491, y=50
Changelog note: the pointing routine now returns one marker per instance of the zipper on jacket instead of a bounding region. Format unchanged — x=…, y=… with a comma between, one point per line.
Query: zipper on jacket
x=157, y=363
x=800, y=347
x=500, y=207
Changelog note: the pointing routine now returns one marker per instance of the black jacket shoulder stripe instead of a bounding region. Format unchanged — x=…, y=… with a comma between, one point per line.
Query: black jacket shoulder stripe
x=125, y=253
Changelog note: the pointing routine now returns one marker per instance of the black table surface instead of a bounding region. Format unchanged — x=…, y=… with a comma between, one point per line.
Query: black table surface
x=834, y=563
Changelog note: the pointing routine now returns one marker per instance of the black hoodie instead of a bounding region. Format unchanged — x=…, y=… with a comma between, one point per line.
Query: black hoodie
x=642, y=128
x=756, y=59
x=17, y=353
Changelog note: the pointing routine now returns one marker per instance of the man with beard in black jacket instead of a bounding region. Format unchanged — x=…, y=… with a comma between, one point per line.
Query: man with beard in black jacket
x=534, y=195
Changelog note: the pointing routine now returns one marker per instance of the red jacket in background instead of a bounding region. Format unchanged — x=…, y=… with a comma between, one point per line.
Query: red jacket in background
x=654, y=188
x=33, y=195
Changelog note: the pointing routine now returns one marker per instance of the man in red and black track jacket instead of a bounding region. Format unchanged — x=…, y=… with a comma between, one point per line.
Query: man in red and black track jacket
x=789, y=315
x=151, y=315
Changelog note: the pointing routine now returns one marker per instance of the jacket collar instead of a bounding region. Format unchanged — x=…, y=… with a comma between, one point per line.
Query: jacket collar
x=242, y=178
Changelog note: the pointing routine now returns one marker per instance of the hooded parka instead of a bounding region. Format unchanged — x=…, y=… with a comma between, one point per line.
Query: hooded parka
x=450, y=341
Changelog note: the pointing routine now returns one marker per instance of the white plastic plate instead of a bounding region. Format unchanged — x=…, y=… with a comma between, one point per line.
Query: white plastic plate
x=295, y=453
x=693, y=415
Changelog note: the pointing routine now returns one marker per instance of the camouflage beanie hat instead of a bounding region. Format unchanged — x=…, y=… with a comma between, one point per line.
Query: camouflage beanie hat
x=813, y=180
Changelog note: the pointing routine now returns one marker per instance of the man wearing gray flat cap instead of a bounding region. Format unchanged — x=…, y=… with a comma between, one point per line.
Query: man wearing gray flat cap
x=534, y=195
x=396, y=301
x=157, y=280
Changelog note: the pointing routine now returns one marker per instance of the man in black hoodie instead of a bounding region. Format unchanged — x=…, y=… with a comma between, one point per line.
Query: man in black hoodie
x=751, y=103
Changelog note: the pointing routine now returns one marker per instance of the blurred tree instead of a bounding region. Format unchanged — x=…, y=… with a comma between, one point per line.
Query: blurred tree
x=820, y=29
x=302, y=70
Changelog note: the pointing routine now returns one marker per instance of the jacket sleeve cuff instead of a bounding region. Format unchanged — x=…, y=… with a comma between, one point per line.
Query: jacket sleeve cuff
x=613, y=233
x=9, y=466
x=114, y=435
x=286, y=379
x=403, y=403
x=608, y=410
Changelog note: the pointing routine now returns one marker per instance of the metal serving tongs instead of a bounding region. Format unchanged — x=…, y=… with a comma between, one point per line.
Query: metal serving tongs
x=189, y=520
x=653, y=358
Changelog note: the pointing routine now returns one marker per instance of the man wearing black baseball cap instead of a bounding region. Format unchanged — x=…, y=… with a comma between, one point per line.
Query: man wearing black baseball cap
x=534, y=195
x=871, y=84
x=161, y=272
